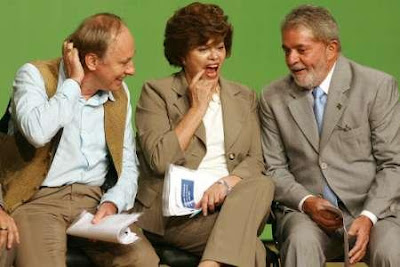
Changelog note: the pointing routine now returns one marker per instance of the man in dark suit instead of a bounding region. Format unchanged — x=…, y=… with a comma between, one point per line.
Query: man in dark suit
x=331, y=137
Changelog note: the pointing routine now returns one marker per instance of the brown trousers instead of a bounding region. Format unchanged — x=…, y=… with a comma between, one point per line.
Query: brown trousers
x=42, y=223
x=230, y=235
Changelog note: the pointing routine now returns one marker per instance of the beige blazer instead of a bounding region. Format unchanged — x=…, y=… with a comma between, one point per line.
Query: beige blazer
x=359, y=148
x=161, y=106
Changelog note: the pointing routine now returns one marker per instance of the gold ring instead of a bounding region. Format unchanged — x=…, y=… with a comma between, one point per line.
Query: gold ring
x=3, y=228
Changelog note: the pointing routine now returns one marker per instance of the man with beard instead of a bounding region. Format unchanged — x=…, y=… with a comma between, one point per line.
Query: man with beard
x=331, y=138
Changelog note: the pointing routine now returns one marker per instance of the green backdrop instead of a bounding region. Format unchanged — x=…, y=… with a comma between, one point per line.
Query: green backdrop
x=35, y=29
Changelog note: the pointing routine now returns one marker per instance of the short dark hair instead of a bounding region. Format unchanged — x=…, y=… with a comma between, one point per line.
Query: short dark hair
x=194, y=25
x=315, y=18
x=95, y=34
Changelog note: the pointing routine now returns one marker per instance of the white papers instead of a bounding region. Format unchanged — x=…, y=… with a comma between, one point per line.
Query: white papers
x=113, y=228
x=183, y=188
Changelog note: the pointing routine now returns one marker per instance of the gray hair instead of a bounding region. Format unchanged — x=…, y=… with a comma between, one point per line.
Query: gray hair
x=317, y=19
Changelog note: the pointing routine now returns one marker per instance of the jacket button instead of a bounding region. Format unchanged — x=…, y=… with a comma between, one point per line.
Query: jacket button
x=324, y=165
x=232, y=156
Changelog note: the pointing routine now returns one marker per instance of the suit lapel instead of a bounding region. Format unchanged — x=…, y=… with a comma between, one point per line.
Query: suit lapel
x=181, y=102
x=337, y=99
x=232, y=112
x=302, y=113
x=180, y=86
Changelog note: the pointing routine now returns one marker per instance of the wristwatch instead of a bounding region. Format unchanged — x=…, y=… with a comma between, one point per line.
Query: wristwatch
x=228, y=188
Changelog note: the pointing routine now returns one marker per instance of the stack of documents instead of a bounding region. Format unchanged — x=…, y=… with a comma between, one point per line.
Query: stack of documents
x=183, y=188
x=113, y=228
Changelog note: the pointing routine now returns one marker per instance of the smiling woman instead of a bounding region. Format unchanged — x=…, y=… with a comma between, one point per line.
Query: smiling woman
x=198, y=120
x=208, y=58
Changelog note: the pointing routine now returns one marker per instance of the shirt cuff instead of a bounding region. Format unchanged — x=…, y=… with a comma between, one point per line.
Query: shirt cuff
x=300, y=207
x=370, y=215
x=116, y=202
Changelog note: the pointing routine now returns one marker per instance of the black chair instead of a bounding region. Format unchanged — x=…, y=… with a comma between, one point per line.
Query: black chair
x=169, y=255
x=176, y=257
x=272, y=256
x=75, y=256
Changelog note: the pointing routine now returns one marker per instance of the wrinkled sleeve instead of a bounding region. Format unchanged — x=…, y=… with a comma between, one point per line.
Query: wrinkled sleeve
x=287, y=189
x=157, y=137
x=36, y=116
x=385, y=136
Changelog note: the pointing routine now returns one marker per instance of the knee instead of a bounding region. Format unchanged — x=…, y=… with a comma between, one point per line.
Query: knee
x=298, y=239
x=302, y=249
x=142, y=255
x=268, y=185
x=383, y=254
x=146, y=257
x=263, y=186
x=384, y=244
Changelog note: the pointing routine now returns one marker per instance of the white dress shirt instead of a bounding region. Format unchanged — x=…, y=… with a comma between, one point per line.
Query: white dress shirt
x=214, y=162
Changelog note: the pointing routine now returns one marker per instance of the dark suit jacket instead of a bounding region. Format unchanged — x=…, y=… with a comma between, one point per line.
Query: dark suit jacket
x=161, y=106
x=359, y=148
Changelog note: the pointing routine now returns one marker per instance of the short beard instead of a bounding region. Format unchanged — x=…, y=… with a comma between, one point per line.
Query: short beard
x=309, y=82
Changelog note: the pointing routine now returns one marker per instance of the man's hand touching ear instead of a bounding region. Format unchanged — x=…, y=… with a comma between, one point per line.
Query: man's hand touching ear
x=72, y=64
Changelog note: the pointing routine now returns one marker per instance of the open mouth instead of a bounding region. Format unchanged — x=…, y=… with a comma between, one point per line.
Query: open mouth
x=212, y=70
x=297, y=68
x=297, y=71
x=119, y=81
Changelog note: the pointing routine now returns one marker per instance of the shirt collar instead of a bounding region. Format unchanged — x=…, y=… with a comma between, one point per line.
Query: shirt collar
x=110, y=96
x=327, y=81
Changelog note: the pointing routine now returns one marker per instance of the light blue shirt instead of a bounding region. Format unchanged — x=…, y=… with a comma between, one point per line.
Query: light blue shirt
x=82, y=155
